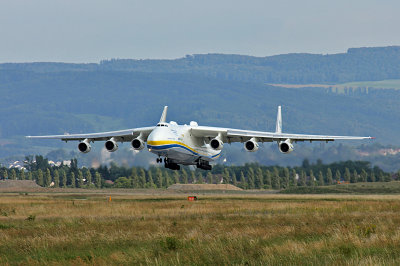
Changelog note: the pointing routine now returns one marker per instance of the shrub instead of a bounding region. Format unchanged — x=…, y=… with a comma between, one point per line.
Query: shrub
x=171, y=243
x=31, y=217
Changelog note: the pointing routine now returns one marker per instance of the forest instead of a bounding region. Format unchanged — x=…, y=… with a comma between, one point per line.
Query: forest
x=248, y=176
x=357, y=64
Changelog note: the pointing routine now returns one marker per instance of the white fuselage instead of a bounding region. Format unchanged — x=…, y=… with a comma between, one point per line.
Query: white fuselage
x=176, y=143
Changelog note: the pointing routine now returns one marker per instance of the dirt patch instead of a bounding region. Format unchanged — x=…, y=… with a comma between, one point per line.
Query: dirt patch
x=18, y=184
x=192, y=187
x=297, y=86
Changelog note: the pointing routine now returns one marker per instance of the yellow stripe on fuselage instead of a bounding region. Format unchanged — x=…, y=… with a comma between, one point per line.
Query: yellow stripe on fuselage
x=167, y=142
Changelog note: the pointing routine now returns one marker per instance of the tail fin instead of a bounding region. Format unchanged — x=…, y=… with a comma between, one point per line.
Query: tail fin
x=278, y=128
x=164, y=115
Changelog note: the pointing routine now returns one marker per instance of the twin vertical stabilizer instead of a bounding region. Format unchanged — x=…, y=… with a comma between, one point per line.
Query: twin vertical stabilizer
x=278, y=128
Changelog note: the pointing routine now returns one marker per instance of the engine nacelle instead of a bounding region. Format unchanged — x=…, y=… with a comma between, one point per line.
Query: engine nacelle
x=84, y=146
x=216, y=144
x=111, y=145
x=251, y=145
x=137, y=144
x=285, y=146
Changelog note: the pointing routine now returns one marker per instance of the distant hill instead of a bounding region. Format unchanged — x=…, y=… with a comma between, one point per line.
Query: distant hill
x=357, y=64
x=215, y=90
x=77, y=102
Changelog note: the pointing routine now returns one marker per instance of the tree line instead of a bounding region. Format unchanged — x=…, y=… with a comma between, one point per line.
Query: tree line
x=286, y=68
x=248, y=176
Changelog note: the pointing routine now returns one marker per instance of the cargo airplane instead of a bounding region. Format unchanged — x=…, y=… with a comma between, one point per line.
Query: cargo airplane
x=191, y=144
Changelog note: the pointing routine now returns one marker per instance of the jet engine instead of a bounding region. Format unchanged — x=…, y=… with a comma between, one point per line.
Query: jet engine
x=216, y=144
x=251, y=145
x=137, y=144
x=285, y=146
x=84, y=146
x=111, y=145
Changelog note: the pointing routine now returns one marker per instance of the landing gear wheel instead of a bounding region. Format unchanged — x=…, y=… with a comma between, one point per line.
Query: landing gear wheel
x=205, y=165
x=171, y=165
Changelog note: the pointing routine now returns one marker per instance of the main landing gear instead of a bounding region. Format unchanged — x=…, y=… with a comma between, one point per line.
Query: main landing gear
x=205, y=165
x=168, y=164
x=171, y=165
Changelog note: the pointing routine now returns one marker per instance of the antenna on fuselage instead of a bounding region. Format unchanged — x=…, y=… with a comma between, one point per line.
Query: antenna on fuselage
x=164, y=115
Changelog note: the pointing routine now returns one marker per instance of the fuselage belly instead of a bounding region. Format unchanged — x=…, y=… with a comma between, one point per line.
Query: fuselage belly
x=178, y=145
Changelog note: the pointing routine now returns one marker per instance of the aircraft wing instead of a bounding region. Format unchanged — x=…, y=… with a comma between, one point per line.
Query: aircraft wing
x=229, y=135
x=119, y=136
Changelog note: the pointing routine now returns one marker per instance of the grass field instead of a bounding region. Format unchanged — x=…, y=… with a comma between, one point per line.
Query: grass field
x=368, y=188
x=87, y=229
x=382, y=84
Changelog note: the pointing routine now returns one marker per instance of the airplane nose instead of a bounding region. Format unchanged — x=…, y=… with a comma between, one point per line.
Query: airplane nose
x=155, y=135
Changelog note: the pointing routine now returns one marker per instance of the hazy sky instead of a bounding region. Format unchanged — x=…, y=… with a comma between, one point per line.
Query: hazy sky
x=92, y=30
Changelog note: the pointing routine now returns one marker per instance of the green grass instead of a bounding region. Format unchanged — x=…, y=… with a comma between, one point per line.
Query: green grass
x=216, y=230
x=382, y=84
x=356, y=188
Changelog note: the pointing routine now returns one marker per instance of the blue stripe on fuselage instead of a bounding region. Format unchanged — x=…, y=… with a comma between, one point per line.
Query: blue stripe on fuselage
x=169, y=146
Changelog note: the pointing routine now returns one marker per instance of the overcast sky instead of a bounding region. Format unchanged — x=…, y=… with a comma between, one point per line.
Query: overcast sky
x=92, y=30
